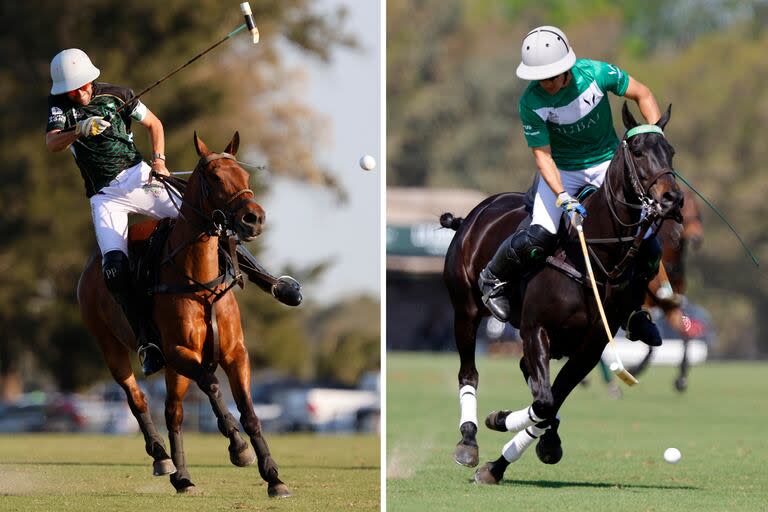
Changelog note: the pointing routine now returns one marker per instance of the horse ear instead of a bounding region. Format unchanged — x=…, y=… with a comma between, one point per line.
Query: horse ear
x=661, y=123
x=627, y=117
x=202, y=149
x=233, y=144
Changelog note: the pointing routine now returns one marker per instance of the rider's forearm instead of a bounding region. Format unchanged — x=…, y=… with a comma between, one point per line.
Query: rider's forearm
x=56, y=140
x=156, y=133
x=649, y=108
x=548, y=170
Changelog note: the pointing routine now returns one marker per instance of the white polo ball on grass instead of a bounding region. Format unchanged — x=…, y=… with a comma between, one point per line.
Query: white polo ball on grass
x=672, y=455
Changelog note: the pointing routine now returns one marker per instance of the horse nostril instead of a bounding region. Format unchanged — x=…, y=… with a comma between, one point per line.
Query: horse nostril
x=252, y=218
x=671, y=197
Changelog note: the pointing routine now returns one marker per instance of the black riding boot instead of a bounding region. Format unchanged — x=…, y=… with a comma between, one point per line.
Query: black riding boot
x=117, y=276
x=514, y=257
x=639, y=325
x=285, y=288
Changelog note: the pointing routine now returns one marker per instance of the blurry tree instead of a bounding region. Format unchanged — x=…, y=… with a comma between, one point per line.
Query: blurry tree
x=348, y=340
x=452, y=118
x=44, y=221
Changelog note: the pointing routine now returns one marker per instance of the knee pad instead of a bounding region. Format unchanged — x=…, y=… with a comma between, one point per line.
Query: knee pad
x=540, y=243
x=117, y=272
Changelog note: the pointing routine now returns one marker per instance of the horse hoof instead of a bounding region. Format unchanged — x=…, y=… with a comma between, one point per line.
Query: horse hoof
x=549, y=449
x=496, y=420
x=466, y=455
x=244, y=457
x=163, y=467
x=279, y=491
x=681, y=384
x=549, y=452
x=484, y=475
x=190, y=489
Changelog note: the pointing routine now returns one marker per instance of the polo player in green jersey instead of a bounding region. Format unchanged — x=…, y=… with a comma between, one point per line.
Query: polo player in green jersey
x=118, y=182
x=567, y=123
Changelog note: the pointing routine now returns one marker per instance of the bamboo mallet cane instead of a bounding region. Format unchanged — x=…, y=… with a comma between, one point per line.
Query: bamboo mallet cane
x=616, y=366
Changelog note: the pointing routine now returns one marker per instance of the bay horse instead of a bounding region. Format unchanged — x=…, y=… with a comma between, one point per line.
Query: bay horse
x=198, y=318
x=675, y=238
x=554, y=308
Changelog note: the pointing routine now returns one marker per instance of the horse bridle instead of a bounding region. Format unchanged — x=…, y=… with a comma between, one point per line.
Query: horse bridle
x=651, y=210
x=219, y=225
x=219, y=218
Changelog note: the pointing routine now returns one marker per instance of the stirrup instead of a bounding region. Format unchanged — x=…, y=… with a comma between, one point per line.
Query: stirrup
x=496, y=290
x=494, y=298
x=151, y=358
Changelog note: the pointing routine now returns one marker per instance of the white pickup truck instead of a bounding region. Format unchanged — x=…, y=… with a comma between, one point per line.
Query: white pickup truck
x=322, y=409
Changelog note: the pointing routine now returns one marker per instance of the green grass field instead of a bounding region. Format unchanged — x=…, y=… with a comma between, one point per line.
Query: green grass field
x=112, y=473
x=613, y=448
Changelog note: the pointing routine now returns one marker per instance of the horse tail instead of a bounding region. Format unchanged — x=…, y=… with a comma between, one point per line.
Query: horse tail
x=447, y=220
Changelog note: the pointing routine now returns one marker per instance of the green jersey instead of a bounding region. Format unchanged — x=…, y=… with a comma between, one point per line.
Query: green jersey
x=575, y=122
x=100, y=157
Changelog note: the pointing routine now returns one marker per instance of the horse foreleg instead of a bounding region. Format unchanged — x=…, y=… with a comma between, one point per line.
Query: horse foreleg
x=240, y=452
x=530, y=422
x=549, y=448
x=238, y=372
x=176, y=386
x=465, y=330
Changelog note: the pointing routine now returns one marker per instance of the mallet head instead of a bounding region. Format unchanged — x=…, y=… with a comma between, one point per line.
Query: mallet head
x=245, y=8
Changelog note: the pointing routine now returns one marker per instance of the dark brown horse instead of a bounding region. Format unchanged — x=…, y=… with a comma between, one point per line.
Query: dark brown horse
x=197, y=316
x=675, y=238
x=554, y=308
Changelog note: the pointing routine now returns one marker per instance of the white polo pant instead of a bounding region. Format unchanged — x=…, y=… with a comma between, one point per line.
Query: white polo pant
x=545, y=212
x=128, y=193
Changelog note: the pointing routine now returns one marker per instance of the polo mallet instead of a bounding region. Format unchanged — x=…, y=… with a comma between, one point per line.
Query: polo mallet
x=245, y=8
x=616, y=366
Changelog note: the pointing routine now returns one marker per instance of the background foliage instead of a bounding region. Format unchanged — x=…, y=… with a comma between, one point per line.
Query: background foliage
x=45, y=224
x=452, y=115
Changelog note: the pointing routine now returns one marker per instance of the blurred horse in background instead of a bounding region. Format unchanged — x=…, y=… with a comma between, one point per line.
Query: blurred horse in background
x=675, y=238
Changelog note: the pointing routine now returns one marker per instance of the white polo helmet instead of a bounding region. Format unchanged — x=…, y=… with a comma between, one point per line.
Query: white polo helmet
x=546, y=53
x=70, y=70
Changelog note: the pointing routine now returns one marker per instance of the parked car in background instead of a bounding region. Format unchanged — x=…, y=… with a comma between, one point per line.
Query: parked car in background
x=331, y=409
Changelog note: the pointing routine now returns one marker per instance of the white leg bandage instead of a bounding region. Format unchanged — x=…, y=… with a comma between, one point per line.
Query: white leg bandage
x=518, y=420
x=514, y=449
x=468, y=403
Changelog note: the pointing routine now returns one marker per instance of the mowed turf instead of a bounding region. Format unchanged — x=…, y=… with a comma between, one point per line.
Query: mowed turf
x=112, y=473
x=613, y=448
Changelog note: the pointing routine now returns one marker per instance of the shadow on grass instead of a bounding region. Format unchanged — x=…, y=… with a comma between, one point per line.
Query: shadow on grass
x=192, y=466
x=554, y=484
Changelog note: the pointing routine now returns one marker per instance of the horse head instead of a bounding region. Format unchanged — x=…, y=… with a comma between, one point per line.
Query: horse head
x=649, y=155
x=225, y=196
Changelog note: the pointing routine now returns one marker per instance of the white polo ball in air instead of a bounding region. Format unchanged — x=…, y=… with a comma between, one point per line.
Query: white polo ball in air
x=672, y=455
x=367, y=162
